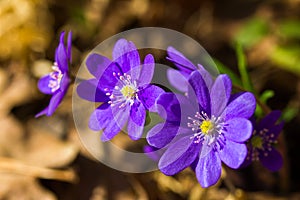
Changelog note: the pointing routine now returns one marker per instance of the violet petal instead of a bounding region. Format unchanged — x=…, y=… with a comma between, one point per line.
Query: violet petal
x=208, y=170
x=43, y=84
x=220, y=94
x=100, y=117
x=238, y=129
x=199, y=90
x=147, y=70
x=180, y=60
x=168, y=107
x=242, y=106
x=273, y=161
x=276, y=129
x=88, y=90
x=178, y=156
x=148, y=96
x=269, y=120
x=97, y=64
x=127, y=56
x=61, y=55
x=55, y=101
x=206, y=76
x=233, y=154
x=177, y=80
x=136, y=121
x=108, y=80
x=162, y=134
x=43, y=112
x=119, y=118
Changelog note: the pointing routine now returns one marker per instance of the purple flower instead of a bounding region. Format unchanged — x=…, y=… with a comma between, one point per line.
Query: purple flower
x=261, y=144
x=212, y=126
x=57, y=82
x=179, y=78
x=123, y=85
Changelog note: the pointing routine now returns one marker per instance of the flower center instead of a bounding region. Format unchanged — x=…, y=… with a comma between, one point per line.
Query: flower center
x=257, y=142
x=125, y=91
x=208, y=131
x=56, y=76
x=128, y=91
x=262, y=142
x=206, y=126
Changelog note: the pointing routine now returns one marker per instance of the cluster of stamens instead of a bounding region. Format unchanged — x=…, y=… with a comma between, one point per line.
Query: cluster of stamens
x=261, y=142
x=125, y=91
x=56, y=76
x=207, y=130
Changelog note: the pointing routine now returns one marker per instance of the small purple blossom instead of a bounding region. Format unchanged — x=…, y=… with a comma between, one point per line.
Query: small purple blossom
x=261, y=145
x=179, y=78
x=123, y=85
x=57, y=82
x=207, y=127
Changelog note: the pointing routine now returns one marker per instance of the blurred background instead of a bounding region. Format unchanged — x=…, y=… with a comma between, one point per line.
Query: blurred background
x=44, y=159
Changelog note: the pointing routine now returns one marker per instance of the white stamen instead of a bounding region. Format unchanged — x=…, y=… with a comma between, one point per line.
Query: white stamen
x=56, y=77
x=208, y=131
x=124, y=92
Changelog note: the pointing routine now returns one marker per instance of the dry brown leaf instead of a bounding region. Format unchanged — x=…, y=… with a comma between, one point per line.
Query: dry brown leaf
x=41, y=67
x=169, y=183
x=32, y=149
x=264, y=195
x=43, y=148
x=13, y=166
x=18, y=91
x=17, y=187
x=99, y=193
x=23, y=25
x=3, y=80
x=11, y=136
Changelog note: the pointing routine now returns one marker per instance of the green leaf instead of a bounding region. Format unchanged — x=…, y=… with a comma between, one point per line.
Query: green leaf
x=258, y=111
x=148, y=119
x=241, y=58
x=252, y=32
x=289, y=113
x=287, y=57
x=226, y=70
x=289, y=29
x=266, y=95
x=151, y=120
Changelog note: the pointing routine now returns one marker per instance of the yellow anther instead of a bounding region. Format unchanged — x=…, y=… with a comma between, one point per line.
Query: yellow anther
x=128, y=92
x=206, y=126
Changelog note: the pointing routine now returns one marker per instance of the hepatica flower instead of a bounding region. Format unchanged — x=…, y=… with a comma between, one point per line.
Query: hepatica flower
x=123, y=85
x=179, y=78
x=57, y=82
x=212, y=128
x=261, y=144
